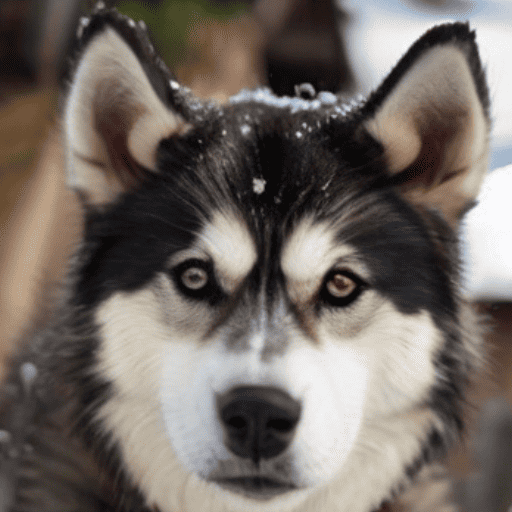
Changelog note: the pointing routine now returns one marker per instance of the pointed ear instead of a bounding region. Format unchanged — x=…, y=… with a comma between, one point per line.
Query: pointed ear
x=431, y=116
x=121, y=104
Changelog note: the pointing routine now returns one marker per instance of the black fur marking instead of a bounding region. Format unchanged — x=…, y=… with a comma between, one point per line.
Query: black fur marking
x=433, y=449
x=118, y=257
x=388, y=229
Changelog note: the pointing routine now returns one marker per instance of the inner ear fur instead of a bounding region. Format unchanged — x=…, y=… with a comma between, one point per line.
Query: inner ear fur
x=114, y=120
x=433, y=125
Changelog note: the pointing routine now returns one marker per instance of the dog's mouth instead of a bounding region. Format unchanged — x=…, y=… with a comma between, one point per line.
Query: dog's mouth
x=256, y=487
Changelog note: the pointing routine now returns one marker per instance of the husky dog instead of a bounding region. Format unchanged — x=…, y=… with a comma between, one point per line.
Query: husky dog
x=264, y=314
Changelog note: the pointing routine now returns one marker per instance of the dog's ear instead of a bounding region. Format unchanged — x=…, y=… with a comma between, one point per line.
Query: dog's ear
x=122, y=102
x=431, y=115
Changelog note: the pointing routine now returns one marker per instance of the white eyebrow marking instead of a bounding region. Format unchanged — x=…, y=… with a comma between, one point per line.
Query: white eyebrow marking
x=309, y=253
x=227, y=240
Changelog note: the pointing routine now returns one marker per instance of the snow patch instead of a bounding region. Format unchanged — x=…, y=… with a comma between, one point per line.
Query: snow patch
x=258, y=185
x=265, y=96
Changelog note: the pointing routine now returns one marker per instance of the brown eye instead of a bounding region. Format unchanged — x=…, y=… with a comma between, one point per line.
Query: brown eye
x=194, y=278
x=341, y=287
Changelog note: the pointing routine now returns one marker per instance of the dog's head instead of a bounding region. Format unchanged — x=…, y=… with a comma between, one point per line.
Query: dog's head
x=272, y=284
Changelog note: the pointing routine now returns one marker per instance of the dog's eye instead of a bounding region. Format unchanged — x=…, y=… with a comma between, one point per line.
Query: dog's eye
x=341, y=287
x=195, y=279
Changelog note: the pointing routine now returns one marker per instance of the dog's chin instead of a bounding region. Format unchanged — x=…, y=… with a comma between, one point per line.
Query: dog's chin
x=256, y=487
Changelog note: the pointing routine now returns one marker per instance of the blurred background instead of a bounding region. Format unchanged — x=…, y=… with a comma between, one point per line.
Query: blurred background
x=218, y=47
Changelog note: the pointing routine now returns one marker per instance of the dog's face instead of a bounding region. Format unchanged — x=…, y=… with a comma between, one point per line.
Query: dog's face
x=272, y=283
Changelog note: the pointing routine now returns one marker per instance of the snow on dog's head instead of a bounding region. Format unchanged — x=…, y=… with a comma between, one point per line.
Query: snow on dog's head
x=277, y=316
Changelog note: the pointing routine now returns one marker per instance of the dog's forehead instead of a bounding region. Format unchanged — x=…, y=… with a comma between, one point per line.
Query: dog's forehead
x=256, y=112
x=274, y=156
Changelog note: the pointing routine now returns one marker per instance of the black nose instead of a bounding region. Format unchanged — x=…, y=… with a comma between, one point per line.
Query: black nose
x=259, y=422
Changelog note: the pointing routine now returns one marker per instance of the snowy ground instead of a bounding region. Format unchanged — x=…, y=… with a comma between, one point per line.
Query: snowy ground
x=378, y=35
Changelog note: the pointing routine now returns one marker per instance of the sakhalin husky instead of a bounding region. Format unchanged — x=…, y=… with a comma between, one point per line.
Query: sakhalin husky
x=264, y=314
